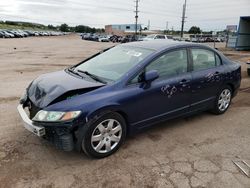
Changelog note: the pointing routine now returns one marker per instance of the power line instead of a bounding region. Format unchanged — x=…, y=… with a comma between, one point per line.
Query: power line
x=218, y=9
x=158, y=13
x=216, y=3
x=101, y=6
x=171, y=15
x=216, y=19
x=171, y=10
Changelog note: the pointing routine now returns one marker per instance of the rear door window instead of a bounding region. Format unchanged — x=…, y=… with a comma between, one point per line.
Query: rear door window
x=203, y=59
x=170, y=64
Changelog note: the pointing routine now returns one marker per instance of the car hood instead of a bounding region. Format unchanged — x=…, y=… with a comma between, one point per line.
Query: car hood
x=48, y=87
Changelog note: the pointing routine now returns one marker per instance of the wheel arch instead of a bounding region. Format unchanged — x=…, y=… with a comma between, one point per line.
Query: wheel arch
x=232, y=87
x=106, y=109
x=93, y=116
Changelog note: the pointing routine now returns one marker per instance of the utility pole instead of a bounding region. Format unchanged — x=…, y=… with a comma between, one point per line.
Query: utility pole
x=148, y=24
x=167, y=26
x=183, y=17
x=136, y=16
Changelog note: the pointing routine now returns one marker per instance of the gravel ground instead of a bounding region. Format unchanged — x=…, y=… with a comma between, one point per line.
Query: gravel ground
x=192, y=152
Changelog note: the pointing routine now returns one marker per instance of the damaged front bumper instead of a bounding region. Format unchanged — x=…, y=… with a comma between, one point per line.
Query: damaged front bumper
x=60, y=135
x=28, y=123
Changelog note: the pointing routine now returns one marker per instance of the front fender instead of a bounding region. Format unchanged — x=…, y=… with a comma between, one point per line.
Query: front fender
x=92, y=114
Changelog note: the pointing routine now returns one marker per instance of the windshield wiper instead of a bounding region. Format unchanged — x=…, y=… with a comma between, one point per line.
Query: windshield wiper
x=93, y=76
x=71, y=69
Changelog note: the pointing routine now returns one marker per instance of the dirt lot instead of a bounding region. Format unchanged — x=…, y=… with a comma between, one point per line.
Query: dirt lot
x=191, y=152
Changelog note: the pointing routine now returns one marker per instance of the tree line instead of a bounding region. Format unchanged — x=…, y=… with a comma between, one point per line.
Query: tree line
x=80, y=29
x=63, y=27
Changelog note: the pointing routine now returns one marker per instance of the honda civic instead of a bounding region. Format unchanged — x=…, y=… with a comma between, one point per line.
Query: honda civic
x=93, y=105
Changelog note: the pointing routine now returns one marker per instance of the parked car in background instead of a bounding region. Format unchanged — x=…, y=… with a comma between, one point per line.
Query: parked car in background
x=1, y=34
x=26, y=33
x=154, y=37
x=90, y=36
x=169, y=36
x=201, y=39
x=92, y=106
x=217, y=39
x=140, y=37
x=103, y=39
x=209, y=39
x=7, y=34
x=129, y=38
x=194, y=39
x=108, y=38
x=16, y=34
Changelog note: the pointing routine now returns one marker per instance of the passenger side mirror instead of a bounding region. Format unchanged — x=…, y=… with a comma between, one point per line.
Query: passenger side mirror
x=151, y=75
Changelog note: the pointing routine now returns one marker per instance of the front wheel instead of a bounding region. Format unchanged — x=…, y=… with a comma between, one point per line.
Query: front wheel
x=223, y=100
x=104, y=136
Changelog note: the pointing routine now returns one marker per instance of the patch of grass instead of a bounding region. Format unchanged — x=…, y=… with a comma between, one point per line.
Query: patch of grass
x=7, y=26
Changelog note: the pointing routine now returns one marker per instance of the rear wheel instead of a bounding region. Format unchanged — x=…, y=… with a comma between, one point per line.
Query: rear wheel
x=104, y=136
x=223, y=100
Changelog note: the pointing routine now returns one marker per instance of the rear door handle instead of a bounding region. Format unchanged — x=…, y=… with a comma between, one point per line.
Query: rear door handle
x=216, y=73
x=184, y=81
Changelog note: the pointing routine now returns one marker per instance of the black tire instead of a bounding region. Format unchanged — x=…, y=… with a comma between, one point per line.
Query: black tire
x=87, y=145
x=216, y=109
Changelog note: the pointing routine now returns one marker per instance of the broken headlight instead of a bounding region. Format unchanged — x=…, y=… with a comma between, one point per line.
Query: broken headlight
x=52, y=116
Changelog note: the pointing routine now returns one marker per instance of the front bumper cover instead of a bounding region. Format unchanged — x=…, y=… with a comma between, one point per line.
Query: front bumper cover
x=28, y=123
x=60, y=136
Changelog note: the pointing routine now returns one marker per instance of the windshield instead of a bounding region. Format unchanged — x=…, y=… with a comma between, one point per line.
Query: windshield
x=114, y=63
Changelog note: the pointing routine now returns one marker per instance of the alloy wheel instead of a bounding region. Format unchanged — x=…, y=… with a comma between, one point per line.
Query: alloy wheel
x=106, y=136
x=224, y=100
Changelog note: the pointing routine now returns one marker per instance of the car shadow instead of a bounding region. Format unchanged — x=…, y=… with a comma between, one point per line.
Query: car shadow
x=154, y=131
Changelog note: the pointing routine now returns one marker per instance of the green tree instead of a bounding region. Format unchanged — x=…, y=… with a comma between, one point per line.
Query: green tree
x=82, y=29
x=64, y=27
x=93, y=30
x=51, y=27
x=194, y=30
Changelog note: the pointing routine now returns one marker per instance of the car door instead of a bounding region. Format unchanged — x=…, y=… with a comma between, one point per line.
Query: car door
x=166, y=97
x=206, y=77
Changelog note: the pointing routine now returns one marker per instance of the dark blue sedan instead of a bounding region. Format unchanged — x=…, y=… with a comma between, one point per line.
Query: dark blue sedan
x=95, y=104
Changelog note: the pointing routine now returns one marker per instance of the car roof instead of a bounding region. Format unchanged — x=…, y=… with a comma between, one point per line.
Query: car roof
x=162, y=44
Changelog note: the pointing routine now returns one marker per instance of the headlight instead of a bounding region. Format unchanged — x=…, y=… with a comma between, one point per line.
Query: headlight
x=55, y=115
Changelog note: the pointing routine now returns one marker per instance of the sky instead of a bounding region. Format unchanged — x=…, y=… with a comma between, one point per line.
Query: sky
x=206, y=14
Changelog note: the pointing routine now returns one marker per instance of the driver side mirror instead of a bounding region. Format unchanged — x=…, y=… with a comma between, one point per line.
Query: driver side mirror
x=151, y=75
x=147, y=77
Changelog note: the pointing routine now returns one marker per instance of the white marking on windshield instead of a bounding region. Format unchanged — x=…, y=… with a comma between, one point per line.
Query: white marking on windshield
x=134, y=53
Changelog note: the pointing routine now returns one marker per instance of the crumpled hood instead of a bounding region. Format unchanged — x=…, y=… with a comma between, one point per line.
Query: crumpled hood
x=48, y=87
